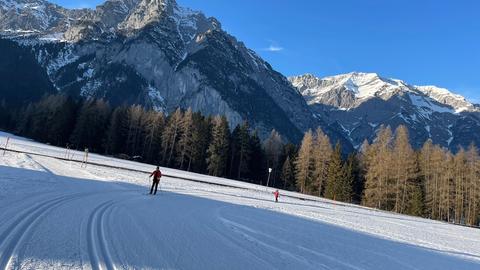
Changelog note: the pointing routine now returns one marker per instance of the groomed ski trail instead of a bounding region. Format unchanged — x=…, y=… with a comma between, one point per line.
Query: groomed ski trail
x=56, y=215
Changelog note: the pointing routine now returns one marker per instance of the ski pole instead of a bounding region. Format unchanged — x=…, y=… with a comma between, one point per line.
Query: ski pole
x=6, y=145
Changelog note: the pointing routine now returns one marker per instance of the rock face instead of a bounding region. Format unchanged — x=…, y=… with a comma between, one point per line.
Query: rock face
x=160, y=55
x=359, y=103
x=35, y=17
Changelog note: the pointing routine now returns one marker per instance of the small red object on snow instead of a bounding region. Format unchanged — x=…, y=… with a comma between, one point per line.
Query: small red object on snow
x=276, y=194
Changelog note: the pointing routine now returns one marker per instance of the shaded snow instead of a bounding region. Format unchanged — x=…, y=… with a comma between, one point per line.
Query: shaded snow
x=428, y=106
x=445, y=96
x=451, y=137
x=158, y=102
x=64, y=57
x=77, y=218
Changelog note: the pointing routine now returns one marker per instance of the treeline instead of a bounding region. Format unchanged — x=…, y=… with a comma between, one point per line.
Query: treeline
x=388, y=174
x=431, y=182
x=183, y=140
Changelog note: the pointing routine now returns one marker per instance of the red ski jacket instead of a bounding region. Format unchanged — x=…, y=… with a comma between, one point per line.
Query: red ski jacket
x=276, y=194
x=156, y=174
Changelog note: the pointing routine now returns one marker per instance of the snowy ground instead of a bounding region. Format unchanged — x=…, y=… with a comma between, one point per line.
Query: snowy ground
x=55, y=214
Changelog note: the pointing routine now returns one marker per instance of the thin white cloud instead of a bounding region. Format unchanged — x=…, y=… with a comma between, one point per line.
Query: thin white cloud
x=274, y=48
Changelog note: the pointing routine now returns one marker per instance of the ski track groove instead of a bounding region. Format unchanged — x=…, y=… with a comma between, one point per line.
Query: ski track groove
x=249, y=234
x=40, y=165
x=24, y=223
x=97, y=244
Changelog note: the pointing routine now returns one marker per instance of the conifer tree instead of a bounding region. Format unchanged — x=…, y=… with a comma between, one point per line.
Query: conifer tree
x=40, y=115
x=218, y=149
x=117, y=131
x=170, y=136
x=257, y=159
x=185, y=144
x=404, y=169
x=201, y=139
x=304, y=164
x=415, y=205
x=472, y=191
x=91, y=124
x=234, y=147
x=354, y=167
x=430, y=179
x=273, y=146
x=288, y=174
x=446, y=171
x=348, y=179
x=62, y=119
x=364, y=157
x=339, y=178
x=244, y=150
x=154, y=124
x=378, y=172
x=5, y=115
x=51, y=119
x=322, y=153
x=25, y=122
x=135, y=119
x=460, y=179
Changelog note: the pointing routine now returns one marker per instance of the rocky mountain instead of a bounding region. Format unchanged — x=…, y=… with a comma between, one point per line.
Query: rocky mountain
x=158, y=54
x=35, y=17
x=359, y=103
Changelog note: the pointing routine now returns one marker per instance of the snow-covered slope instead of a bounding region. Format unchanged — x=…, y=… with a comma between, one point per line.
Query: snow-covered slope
x=57, y=215
x=361, y=102
x=444, y=96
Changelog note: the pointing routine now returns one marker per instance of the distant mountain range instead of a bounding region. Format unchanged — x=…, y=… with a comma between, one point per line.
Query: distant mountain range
x=359, y=103
x=164, y=56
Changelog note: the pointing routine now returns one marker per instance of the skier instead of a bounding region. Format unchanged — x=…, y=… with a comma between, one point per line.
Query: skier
x=157, y=174
x=276, y=194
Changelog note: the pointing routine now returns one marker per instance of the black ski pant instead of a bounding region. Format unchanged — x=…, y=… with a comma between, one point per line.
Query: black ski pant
x=154, y=185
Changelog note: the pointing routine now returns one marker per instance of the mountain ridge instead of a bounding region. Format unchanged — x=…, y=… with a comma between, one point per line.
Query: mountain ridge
x=359, y=103
x=367, y=85
x=163, y=56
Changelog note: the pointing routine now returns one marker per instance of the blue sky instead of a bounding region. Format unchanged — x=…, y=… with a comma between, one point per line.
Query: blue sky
x=420, y=41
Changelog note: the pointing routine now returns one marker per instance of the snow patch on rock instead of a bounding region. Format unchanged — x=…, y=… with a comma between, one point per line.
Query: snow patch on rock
x=158, y=102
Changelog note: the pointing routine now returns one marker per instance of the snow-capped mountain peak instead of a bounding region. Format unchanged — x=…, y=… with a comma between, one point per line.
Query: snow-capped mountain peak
x=366, y=85
x=43, y=18
x=359, y=103
x=346, y=91
x=445, y=96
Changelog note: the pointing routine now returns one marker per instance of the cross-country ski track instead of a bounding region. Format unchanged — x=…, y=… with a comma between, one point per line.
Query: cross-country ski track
x=54, y=214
